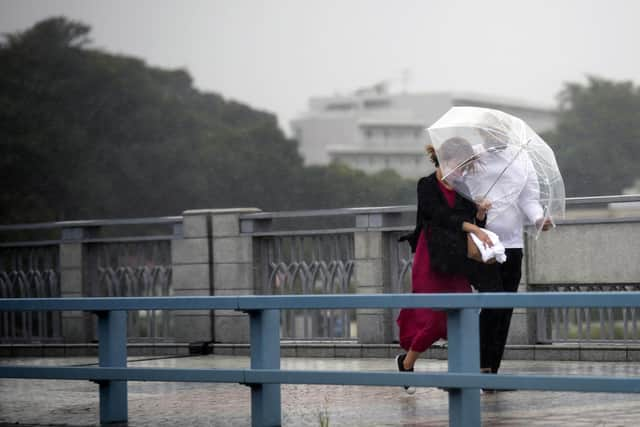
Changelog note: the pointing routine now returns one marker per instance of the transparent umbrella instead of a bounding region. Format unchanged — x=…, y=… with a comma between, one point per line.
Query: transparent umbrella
x=488, y=154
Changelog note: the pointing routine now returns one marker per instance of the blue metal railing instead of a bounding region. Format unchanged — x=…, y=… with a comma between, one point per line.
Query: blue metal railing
x=463, y=379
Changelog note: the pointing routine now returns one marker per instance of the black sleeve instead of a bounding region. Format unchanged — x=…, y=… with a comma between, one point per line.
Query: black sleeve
x=482, y=222
x=433, y=208
x=473, y=209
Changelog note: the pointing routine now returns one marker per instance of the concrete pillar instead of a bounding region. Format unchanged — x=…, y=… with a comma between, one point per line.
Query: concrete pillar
x=210, y=257
x=191, y=259
x=373, y=324
x=74, y=323
x=233, y=272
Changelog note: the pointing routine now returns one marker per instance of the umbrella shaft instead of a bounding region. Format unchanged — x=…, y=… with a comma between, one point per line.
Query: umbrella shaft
x=503, y=171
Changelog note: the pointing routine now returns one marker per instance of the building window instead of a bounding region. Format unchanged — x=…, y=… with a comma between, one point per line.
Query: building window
x=340, y=106
x=376, y=103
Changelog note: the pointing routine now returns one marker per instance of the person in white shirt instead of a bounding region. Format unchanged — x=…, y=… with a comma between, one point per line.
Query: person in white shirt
x=507, y=179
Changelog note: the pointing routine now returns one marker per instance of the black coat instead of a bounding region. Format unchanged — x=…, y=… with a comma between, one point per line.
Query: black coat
x=448, y=242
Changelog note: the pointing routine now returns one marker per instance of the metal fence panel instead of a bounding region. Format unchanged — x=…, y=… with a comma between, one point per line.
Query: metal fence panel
x=132, y=269
x=588, y=325
x=29, y=272
x=308, y=264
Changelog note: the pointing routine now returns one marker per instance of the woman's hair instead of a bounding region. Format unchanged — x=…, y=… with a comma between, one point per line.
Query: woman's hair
x=457, y=149
x=431, y=152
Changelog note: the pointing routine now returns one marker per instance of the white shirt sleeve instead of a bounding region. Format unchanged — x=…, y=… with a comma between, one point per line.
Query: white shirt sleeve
x=529, y=199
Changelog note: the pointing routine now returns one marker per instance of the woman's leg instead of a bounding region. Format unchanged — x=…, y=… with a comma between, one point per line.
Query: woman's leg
x=434, y=330
x=410, y=359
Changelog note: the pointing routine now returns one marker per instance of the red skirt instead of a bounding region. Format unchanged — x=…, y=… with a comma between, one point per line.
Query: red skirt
x=421, y=327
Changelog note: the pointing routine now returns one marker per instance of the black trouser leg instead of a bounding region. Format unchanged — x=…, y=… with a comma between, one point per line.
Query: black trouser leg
x=487, y=279
x=510, y=274
x=494, y=323
x=487, y=338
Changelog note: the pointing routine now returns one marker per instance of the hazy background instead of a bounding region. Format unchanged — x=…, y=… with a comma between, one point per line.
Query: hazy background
x=178, y=105
x=274, y=55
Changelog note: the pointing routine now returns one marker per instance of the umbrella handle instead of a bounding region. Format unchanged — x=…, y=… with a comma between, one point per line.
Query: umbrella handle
x=545, y=217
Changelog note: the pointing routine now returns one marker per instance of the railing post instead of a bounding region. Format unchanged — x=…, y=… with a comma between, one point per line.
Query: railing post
x=374, y=327
x=75, y=325
x=211, y=257
x=232, y=271
x=191, y=258
x=265, y=354
x=464, y=357
x=112, y=351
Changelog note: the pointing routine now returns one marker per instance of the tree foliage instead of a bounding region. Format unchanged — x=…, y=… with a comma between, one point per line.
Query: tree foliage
x=88, y=134
x=597, y=139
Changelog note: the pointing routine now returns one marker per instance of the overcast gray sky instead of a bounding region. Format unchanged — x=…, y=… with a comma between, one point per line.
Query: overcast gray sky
x=275, y=54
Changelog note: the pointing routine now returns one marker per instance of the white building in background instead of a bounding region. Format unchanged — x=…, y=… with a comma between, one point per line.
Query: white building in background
x=373, y=130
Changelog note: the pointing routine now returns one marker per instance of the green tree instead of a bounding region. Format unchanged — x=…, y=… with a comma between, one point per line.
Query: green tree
x=87, y=134
x=597, y=139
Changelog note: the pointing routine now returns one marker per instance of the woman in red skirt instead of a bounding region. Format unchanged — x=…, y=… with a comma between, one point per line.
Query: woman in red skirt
x=438, y=205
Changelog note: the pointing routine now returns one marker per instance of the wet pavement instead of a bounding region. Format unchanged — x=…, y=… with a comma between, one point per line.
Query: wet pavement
x=75, y=403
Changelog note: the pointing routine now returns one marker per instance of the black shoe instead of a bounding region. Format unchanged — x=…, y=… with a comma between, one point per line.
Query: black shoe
x=488, y=390
x=400, y=362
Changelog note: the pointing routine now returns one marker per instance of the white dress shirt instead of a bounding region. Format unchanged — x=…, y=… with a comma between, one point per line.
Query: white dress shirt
x=514, y=196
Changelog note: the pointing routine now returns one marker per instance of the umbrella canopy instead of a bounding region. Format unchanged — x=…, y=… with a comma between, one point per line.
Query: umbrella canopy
x=488, y=154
